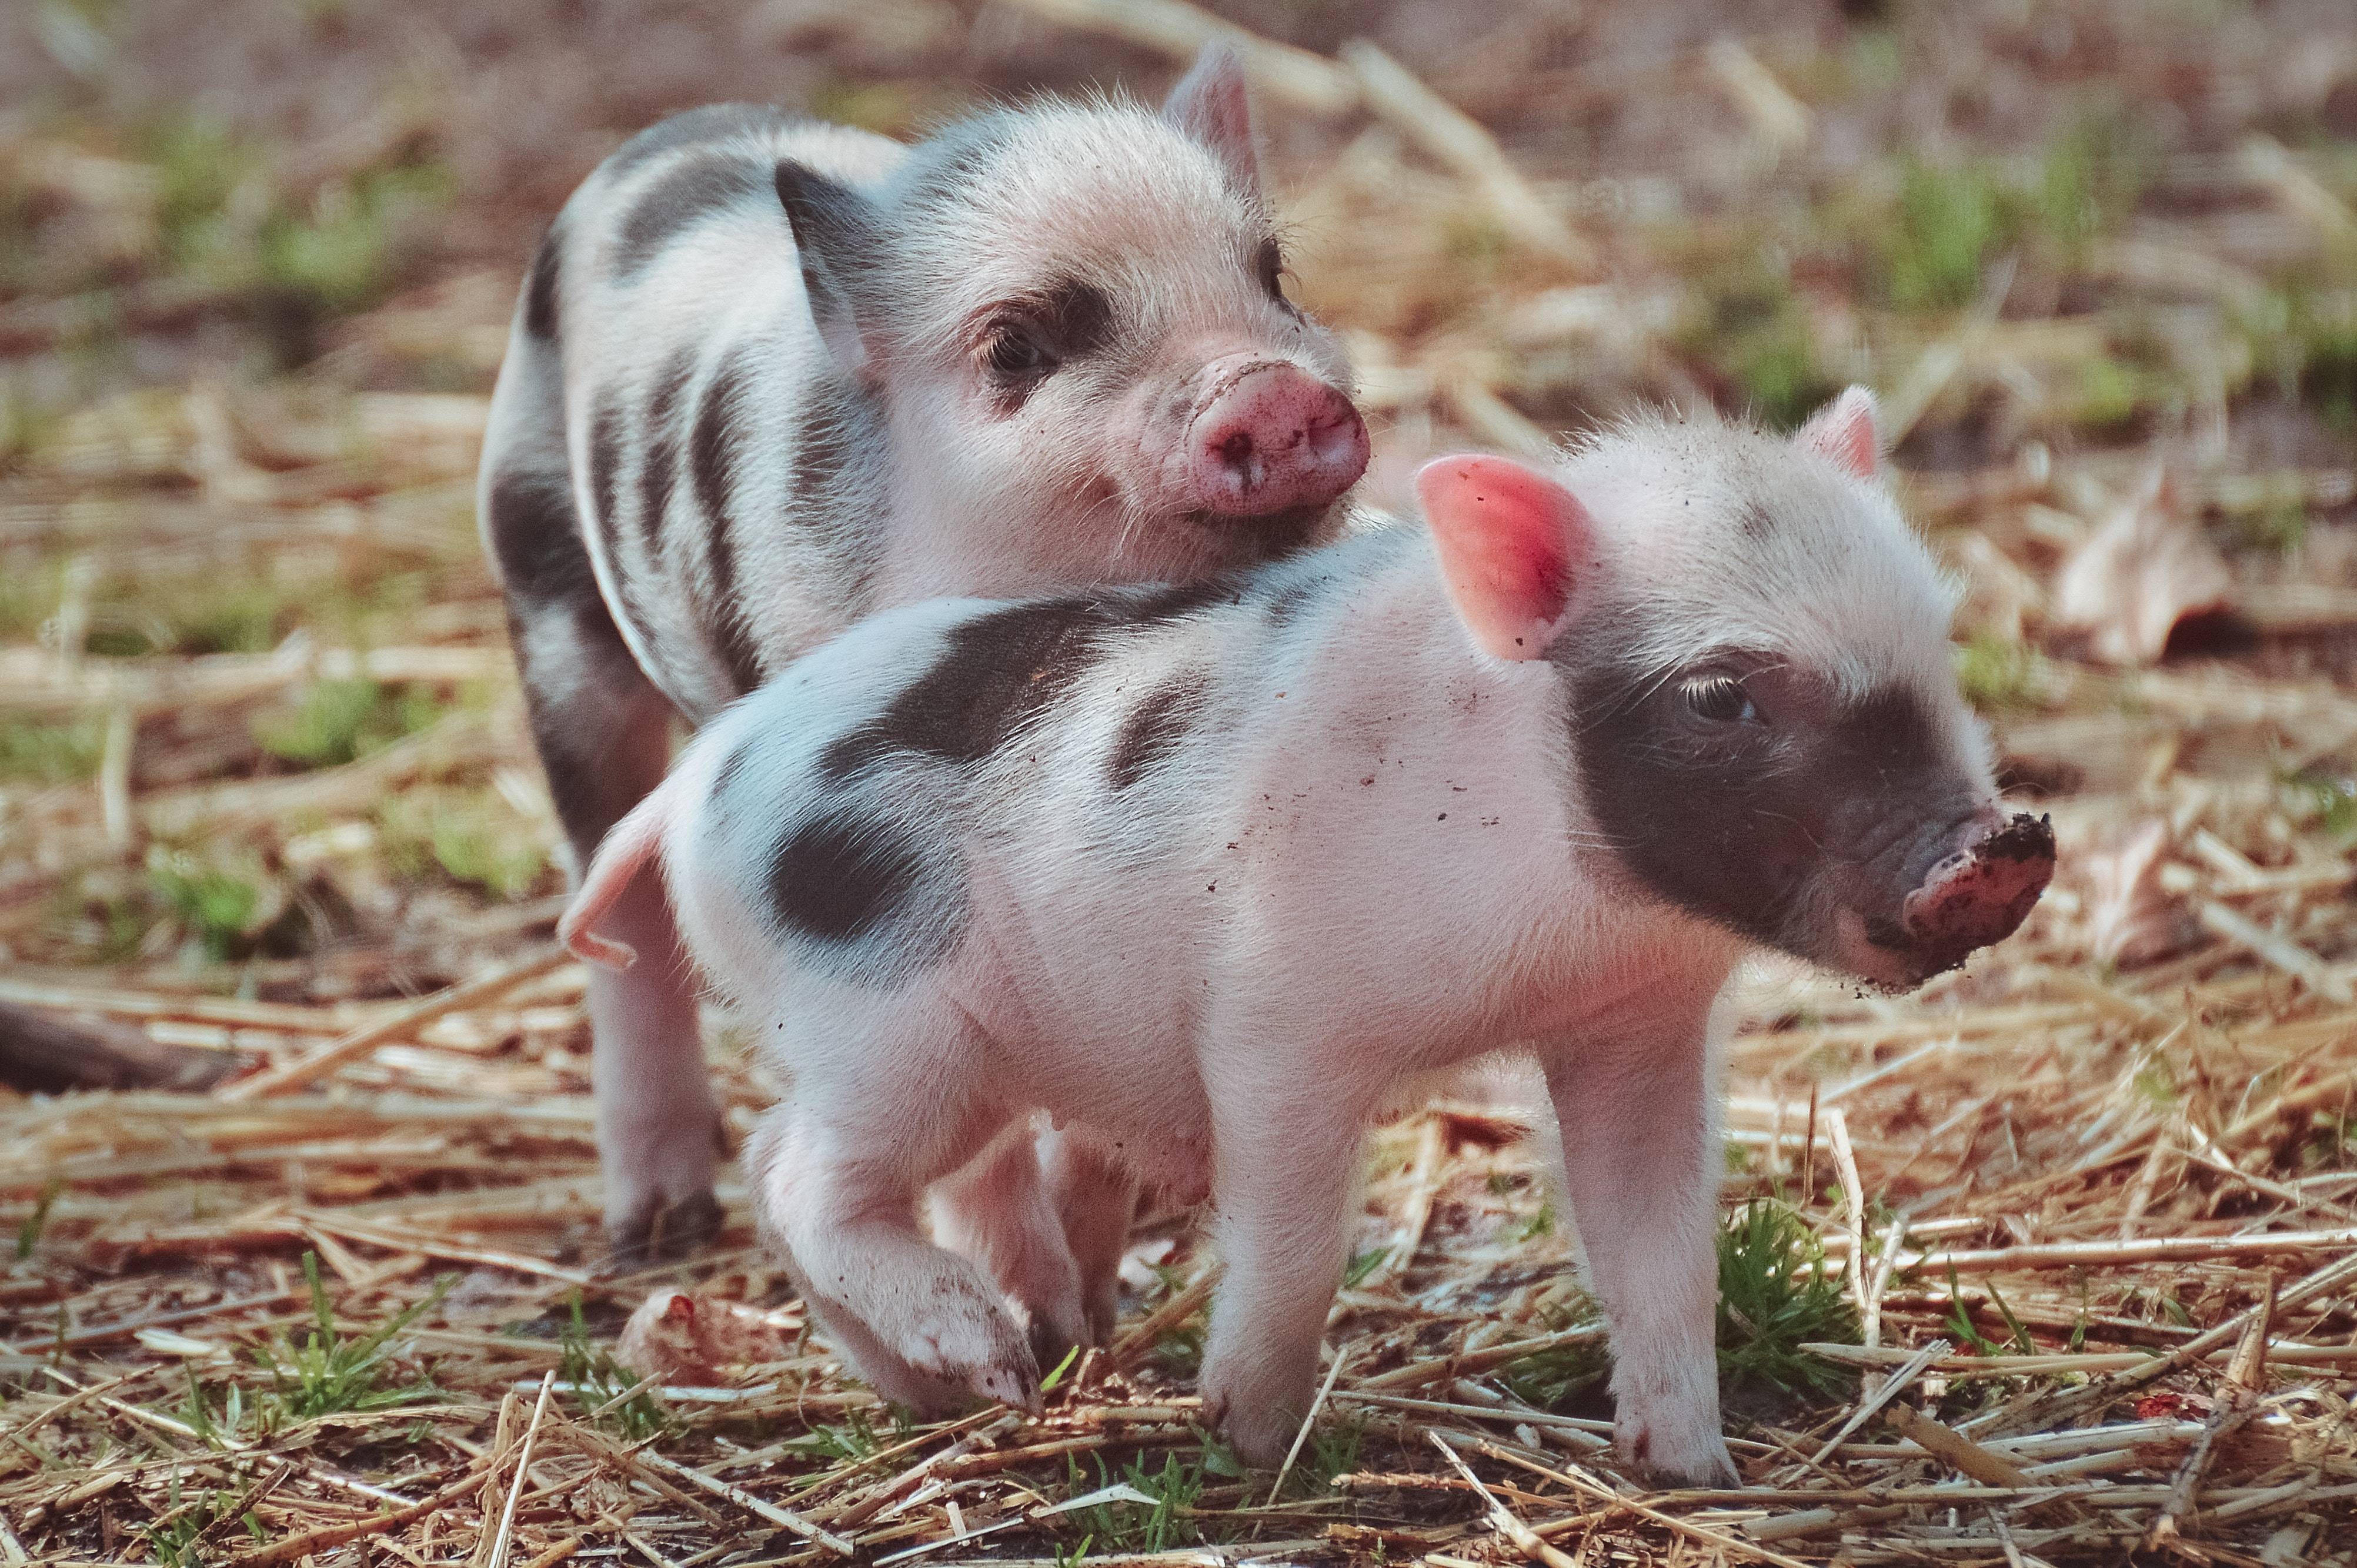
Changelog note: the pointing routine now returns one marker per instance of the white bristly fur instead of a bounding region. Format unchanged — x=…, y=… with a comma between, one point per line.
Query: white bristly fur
x=1364, y=856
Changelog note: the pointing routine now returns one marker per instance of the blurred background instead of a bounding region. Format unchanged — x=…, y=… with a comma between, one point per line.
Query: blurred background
x=265, y=779
x=257, y=257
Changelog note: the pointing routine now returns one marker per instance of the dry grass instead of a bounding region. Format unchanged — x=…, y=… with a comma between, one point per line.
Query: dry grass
x=2051, y=1260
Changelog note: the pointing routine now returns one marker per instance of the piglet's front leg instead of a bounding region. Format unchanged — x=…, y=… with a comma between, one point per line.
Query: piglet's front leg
x=1284, y=1159
x=1642, y=1162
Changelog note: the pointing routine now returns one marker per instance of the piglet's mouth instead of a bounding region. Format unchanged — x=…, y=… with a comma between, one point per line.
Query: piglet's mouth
x=1977, y=897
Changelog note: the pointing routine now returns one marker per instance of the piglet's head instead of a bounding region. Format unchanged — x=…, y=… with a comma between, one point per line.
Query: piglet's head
x=1761, y=709
x=1077, y=314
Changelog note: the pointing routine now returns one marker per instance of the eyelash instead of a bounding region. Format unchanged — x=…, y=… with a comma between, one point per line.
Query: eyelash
x=1709, y=696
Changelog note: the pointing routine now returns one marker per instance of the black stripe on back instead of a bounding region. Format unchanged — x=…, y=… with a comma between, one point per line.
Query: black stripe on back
x=709, y=123
x=712, y=457
x=662, y=468
x=685, y=194
x=540, y=288
x=604, y=493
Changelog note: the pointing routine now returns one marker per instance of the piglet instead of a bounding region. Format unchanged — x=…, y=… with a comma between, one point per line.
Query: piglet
x=768, y=375
x=1207, y=873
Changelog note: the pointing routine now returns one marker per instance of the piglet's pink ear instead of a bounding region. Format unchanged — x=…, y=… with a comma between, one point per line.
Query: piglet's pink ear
x=1843, y=432
x=1213, y=103
x=1510, y=540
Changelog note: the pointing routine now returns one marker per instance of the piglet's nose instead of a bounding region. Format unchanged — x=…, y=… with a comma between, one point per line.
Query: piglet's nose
x=1983, y=889
x=1275, y=438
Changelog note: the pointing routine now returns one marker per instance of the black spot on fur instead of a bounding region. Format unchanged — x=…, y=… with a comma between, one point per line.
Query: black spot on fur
x=1004, y=667
x=998, y=670
x=710, y=124
x=1154, y=727
x=712, y=454
x=541, y=288
x=683, y=196
x=1755, y=521
x=545, y=569
x=861, y=888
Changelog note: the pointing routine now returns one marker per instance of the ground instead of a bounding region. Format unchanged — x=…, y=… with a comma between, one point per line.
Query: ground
x=2083, y=1216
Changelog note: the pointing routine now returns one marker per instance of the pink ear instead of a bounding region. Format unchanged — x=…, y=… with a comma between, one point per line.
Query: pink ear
x=1213, y=105
x=1509, y=538
x=1843, y=432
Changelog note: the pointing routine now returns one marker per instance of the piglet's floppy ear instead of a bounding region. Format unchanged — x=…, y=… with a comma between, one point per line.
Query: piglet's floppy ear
x=1843, y=432
x=1213, y=105
x=1510, y=540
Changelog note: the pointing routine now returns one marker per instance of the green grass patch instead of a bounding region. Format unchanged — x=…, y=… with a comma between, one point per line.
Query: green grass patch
x=1775, y=1297
x=1999, y=676
x=1141, y=1527
x=472, y=836
x=223, y=908
x=329, y=1372
x=40, y=752
x=336, y=722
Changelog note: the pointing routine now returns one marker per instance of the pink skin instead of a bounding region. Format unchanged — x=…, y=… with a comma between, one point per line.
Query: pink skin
x=1269, y=438
x=1974, y=896
x=1256, y=436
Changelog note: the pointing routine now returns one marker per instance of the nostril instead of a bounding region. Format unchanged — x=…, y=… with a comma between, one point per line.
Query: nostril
x=1235, y=450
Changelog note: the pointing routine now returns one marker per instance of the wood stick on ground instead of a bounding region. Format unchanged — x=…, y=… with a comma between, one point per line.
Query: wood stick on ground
x=1400, y=98
x=785, y=1518
x=2055, y=1407
x=42, y=1052
x=1909, y=1371
x=1293, y=76
x=1502, y=1516
x=499, y=1549
x=2246, y=1376
x=1714, y=1538
x=360, y=1042
x=1958, y=1451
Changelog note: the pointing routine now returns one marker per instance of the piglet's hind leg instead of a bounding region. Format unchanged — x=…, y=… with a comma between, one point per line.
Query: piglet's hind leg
x=997, y=1211
x=840, y=1166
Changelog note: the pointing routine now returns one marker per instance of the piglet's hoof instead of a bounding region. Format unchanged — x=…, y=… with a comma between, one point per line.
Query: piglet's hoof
x=659, y=1232
x=1700, y=1459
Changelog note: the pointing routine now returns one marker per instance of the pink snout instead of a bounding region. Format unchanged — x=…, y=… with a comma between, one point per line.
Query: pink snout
x=1981, y=892
x=1272, y=438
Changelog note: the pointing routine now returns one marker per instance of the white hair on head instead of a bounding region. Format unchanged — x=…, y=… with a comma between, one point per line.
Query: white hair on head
x=1705, y=517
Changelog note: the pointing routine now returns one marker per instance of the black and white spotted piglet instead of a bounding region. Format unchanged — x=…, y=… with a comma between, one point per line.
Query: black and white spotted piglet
x=1213, y=871
x=769, y=375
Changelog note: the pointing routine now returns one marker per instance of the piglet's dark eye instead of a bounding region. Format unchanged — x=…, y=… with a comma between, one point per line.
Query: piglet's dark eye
x=1720, y=699
x=1014, y=354
x=1271, y=267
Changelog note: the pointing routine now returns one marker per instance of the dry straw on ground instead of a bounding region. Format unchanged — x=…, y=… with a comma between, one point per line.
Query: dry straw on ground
x=2051, y=1261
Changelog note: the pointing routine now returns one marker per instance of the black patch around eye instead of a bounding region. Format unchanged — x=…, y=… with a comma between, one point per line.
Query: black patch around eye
x=1074, y=318
x=1720, y=699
